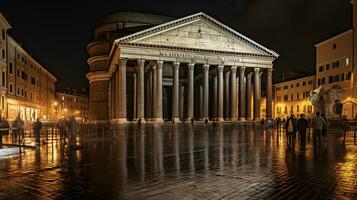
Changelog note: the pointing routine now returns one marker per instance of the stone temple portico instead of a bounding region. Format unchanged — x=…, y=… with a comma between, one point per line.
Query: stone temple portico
x=190, y=68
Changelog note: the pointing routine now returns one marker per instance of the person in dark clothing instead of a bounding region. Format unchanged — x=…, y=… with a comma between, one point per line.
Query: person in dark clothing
x=324, y=128
x=290, y=127
x=302, y=125
x=37, y=126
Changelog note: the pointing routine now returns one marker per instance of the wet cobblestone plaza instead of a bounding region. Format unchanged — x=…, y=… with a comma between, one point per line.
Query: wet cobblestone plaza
x=184, y=162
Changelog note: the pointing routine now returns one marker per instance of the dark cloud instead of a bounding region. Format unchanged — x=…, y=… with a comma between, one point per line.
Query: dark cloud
x=57, y=32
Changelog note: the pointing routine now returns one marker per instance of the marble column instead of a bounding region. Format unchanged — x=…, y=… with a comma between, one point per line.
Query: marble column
x=140, y=102
x=190, y=97
x=249, y=96
x=226, y=96
x=113, y=97
x=220, y=93
x=241, y=94
x=214, y=113
x=134, y=96
x=153, y=93
x=233, y=100
x=200, y=103
x=182, y=101
x=257, y=99
x=175, y=92
x=158, y=97
x=205, y=92
x=269, y=93
x=121, y=92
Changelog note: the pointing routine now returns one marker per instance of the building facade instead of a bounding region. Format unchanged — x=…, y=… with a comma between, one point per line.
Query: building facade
x=189, y=68
x=291, y=97
x=30, y=87
x=4, y=27
x=71, y=103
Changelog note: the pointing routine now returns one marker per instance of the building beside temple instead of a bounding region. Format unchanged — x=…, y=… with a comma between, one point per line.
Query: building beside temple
x=152, y=68
x=26, y=87
x=292, y=97
x=71, y=103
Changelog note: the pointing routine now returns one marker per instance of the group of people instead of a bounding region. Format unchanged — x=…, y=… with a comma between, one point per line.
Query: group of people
x=319, y=124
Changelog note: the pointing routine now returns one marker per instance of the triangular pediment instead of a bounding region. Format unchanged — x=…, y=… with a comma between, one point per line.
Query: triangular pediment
x=197, y=31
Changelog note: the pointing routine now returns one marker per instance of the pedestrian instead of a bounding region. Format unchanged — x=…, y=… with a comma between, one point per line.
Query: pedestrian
x=290, y=127
x=302, y=125
x=37, y=126
x=324, y=128
x=344, y=127
x=278, y=124
x=317, y=124
x=18, y=127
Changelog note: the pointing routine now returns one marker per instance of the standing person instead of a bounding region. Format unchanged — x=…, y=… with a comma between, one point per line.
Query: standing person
x=290, y=127
x=344, y=127
x=324, y=127
x=19, y=126
x=302, y=125
x=37, y=126
x=317, y=124
x=4, y=125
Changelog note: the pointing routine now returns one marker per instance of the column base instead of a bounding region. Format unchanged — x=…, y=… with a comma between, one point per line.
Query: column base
x=232, y=119
x=157, y=120
x=257, y=119
x=220, y=119
x=119, y=121
x=175, y=120
x=242, y=119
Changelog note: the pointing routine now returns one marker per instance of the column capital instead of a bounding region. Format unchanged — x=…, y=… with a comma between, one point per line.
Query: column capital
x=206, y=67
x=134, y=75
x=270, y=69
x=233, y=69
x=159, y=64
x=123, y=61
x=153, y=67
x=256, y=69
x=220, y=68
x=242, y=69
x=191, y=66
x=141, y=63
x=176, y=65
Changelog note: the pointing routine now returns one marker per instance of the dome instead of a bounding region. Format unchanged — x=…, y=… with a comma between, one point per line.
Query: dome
x=135, y=17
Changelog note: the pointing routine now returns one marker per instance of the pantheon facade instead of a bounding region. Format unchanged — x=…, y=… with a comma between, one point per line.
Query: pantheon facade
x=153, y=68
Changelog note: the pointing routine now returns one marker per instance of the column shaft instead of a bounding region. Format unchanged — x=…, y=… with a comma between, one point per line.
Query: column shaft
x=158, y=101
x=182, y=101
x=249, y=96
x=134, y=96
x=140, y=102
x=190, y=98
x=241, y=94
x=153, y=94
x=226, y=96
x=205, y=92
x=233, y=100
x=214, y=113
x=175, y=92
x=257, y=99
x=121, y=107
x=269, y=93
x=220, y=93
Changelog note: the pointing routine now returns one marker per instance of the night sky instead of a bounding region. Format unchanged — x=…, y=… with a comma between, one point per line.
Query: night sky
x=57, y=32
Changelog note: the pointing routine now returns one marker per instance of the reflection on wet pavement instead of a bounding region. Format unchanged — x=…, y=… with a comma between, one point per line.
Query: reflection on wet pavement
x=184, y=162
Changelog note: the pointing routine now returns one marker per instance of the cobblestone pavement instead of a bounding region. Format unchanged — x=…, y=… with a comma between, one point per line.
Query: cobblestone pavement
x=185, y=162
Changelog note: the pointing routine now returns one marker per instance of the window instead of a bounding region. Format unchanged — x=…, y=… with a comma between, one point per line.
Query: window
x=303, y=83
x=297, y=96
x=321, y=68
x=335, y=64
x=337, y=78
x=323, y=81
x=310, y=82
x=342, y=76
x=10, y=67
x=286, y=109
x=285, y=97
x=10, y=87
x=334, y=46
x=278, y=98
x=286, y=87
x=33, y=81
x=327, y=66
x=3, y=34
x=291, y=97
x=297, y=85
x=3, y=53
x=278, y=89
x=297, y=108
x=347, y=61
x=330, y=79
x=292, y=109
x=291, y=86
x=348, y=76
